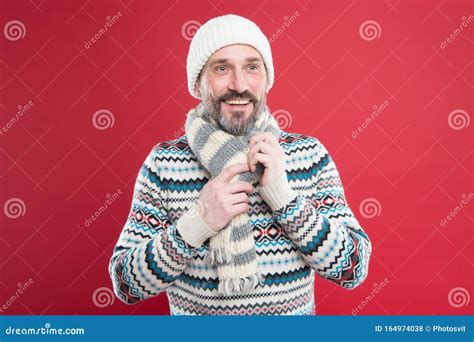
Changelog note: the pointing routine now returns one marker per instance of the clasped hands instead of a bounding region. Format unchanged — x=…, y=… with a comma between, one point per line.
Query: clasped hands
x=221, y=200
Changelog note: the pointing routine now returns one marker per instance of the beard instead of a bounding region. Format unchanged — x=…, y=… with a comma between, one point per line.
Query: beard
x=237, y=124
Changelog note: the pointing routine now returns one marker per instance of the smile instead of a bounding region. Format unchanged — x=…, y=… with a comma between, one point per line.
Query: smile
x=236, y=102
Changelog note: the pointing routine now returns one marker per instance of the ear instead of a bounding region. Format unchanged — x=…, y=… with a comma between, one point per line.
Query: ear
x=197, y=91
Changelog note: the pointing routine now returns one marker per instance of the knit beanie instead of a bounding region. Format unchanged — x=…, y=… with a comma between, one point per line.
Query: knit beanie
x=222, y=31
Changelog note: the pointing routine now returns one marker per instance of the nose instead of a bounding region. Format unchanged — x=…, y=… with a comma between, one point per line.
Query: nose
x=239, y=82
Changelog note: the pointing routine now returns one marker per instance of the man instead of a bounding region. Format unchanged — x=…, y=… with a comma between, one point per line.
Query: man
x=236, y=216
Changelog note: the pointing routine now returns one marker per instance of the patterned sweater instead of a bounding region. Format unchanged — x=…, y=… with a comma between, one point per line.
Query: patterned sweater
x=163, y=249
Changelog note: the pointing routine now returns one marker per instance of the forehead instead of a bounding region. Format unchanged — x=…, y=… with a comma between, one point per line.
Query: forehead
x=235, y=53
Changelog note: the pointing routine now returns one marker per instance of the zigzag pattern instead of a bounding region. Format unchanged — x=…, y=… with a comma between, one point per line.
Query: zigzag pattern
x=137, y=289
x=310, y=172
x=316, y=233
x=175, y=158
x=270, y=279
x=317, y=239
x=284, y=306
x=285, y=250
x=153, y=266
x=191, y=293
x=181, y=186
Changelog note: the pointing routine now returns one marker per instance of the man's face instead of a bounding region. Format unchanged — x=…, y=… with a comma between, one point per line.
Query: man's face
x=233, y=87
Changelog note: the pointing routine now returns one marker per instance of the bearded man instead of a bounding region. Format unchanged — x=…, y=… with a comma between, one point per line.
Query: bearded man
x=236, y=216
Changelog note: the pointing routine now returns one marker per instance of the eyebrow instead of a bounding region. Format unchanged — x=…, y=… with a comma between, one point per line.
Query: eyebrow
x=225, y=60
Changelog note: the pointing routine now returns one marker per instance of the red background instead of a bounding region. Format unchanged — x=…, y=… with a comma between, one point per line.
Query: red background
x=409, y=159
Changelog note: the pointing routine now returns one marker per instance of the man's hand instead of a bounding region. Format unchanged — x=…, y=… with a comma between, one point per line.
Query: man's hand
x=221, y=200
x=264, y=148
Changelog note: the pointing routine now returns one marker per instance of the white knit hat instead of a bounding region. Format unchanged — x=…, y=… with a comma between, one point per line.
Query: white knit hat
x=223, y=31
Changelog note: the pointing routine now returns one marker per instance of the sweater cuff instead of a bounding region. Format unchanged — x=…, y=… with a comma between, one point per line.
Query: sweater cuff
x=193, y=229
x=278, y=193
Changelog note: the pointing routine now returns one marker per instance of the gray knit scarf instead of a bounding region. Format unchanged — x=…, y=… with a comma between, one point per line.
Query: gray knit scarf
x=232, y=250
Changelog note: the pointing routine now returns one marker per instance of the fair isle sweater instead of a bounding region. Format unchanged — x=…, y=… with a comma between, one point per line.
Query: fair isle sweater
x=299, y=231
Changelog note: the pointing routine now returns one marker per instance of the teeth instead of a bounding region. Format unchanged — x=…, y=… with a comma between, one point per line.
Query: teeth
x=237, y=102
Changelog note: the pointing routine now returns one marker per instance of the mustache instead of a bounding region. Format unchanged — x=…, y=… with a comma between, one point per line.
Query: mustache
x=235, y=95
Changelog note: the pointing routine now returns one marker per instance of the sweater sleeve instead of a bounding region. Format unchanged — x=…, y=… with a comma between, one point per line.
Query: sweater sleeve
x=321, y=225
x=151, y=252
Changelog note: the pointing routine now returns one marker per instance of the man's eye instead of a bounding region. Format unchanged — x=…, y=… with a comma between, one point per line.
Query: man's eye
x=220, y=68
x=253, y=67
